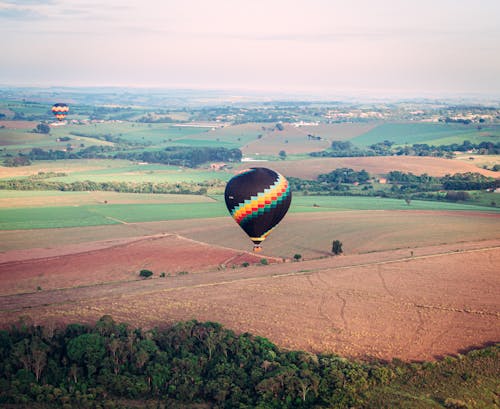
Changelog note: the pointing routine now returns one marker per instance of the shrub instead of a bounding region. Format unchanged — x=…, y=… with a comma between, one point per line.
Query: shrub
x=297, y=257
x=455, y=404
x=146, y=273
x=245, y=264
x=264, y=261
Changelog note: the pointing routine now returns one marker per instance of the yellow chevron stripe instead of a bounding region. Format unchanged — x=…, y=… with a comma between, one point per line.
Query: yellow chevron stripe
x=261, y=200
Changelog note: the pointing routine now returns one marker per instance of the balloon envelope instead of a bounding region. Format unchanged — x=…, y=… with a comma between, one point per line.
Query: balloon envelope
x=60, y=110
x=258, y=198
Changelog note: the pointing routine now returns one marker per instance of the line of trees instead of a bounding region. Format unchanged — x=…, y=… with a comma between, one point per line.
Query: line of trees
x=184, y=156
x=178, y=156
x=38, y=183
x=386, y=148
x=342, y=181
x=458, y=181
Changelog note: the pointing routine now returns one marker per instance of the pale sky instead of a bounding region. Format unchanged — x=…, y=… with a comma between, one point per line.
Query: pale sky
x=317, y=46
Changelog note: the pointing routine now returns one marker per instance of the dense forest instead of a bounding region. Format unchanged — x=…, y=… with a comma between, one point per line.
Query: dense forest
x=111, y=365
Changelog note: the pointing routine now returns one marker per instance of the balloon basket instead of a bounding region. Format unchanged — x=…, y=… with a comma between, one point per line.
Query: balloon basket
x=257, y=249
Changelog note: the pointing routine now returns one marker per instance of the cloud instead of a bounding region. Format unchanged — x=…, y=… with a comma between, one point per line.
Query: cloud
x=27, y=2
x=19, y=14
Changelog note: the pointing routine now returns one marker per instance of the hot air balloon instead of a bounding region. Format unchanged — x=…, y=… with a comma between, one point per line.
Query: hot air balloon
x=258, y=198
x=60, y=110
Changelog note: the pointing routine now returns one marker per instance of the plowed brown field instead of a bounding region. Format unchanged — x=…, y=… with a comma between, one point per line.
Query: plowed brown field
x=376, y=165
x=112, y=261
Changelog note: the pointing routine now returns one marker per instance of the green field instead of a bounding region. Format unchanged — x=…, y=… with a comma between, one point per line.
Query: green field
x=50, y=217
x=94, y=215
x=429, y=133
x=132, y=132
x=145, y=173
x=335, y=203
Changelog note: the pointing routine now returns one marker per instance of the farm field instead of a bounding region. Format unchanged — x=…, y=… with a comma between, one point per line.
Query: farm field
x=117, y=260
x=375, y=165
x=63, y=166
x=82, y=209
x=132, y=132
x=108, y=170
x=49, y=198
x=429, y=133
x=385, y=304
x=291, y=139
x=416, y=281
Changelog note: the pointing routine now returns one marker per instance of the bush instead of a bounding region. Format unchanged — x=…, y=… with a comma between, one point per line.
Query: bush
x=297, y=257
x=337, y=247
x=264, y=261
x=146, y=273
x=245, y=264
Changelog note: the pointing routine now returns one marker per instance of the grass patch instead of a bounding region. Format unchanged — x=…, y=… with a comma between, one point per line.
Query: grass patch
x=337, y=203
x=411, y=133
x=50, y=217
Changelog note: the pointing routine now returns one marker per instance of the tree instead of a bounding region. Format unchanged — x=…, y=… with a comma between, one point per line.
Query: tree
x=337, y=247
x=42, y=128
x=282, y=154
x=297, y=257
x=279, y=126
x=88, y=350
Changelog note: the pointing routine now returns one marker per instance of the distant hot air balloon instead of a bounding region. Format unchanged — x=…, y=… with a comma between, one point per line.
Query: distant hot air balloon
x=258, y=198
x=60, y=110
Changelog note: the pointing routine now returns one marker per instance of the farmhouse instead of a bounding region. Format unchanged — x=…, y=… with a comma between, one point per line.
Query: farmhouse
x=217, y=166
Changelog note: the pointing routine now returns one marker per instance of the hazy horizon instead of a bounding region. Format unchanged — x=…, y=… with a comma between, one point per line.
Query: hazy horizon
x=319, y=47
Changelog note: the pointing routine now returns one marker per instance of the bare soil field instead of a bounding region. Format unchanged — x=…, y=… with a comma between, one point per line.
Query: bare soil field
x=338, y=132
x=295, y=140
x=308, y=234
x=291, y=140
x=111, y=261
x=439, y=300
x=311, y=234
x=19, y=124
x=377, y=165
x=412, y=284
x=20, y=199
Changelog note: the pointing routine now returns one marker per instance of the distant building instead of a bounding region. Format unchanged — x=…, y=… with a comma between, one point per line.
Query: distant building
x=217, y=166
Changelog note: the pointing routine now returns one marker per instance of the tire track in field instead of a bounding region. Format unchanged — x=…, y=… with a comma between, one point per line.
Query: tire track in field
x=322, y=303
x=384, y=284
x=116, y=220
x=342, y=310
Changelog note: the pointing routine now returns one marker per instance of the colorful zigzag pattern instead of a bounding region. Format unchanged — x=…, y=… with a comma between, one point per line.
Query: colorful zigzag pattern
x=263, y=202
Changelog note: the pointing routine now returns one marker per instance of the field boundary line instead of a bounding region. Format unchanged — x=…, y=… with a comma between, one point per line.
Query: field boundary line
x=116, y=220
x=379, y=263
